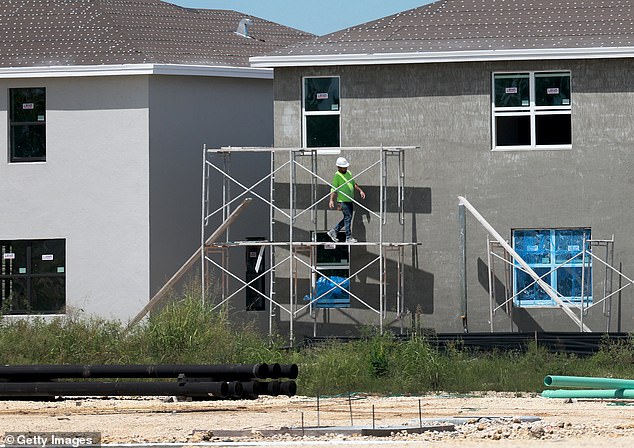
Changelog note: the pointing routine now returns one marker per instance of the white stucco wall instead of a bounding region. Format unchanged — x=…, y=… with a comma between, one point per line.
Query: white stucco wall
x=92, y=190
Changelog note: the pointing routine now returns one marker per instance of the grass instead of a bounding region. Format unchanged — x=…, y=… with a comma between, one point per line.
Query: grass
x=190, y=332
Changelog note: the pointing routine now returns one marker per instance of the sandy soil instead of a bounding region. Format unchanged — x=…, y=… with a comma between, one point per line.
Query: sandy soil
x=493, y=420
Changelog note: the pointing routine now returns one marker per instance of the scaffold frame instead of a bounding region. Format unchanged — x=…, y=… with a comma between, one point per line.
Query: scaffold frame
x=300, y=164
x=500, y=249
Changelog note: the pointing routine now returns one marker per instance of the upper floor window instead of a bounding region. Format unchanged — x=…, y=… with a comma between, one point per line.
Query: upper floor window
x=27, y=124
x=557, y=256
x=321, y=112
x=33, y=276
x=532, y=110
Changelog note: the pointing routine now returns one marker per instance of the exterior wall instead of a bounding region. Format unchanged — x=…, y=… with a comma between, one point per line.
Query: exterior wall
x=185, y=114
x=92, y=190
x=446, y=110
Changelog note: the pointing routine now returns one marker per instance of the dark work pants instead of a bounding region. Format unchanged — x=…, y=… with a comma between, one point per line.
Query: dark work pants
x=346, y=208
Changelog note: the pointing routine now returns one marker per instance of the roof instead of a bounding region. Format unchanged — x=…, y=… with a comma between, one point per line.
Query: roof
x=37, y=33
x=467, y=29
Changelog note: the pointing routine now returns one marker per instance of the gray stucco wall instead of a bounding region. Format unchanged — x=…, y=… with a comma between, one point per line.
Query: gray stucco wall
x=92, y=190
x=185, y=113
x=446, y=110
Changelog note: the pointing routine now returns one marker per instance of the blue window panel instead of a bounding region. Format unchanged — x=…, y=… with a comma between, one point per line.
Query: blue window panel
x=568, y=244
x=534, y=292
x=546, y=250
x=533, y=246
x=569, y=282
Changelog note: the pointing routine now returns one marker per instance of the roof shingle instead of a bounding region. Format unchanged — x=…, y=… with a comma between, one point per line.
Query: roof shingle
x=467, y=25
x=97, y=32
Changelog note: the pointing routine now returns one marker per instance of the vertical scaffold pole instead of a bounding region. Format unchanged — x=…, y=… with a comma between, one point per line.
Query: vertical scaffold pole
x=607, y=283
x=583, y=272
x=291, y=292
x=401, y=192
x=462, y=237
x=381, y=254
x=491, y=277
x=313, y=188
x=203, y=216
x=271, y=238
x=226, y=191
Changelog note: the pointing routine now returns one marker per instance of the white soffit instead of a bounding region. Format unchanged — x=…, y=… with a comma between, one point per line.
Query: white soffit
x=449, y=56
x=135, y=69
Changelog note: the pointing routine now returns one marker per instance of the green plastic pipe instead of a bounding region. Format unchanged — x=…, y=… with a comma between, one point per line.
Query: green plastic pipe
x=588, y=382
x=589, y=393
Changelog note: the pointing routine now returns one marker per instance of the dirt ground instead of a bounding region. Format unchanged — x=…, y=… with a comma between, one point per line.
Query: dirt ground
x=492, y=419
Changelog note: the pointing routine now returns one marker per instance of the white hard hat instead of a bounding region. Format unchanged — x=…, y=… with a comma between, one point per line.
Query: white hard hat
x=342, y=162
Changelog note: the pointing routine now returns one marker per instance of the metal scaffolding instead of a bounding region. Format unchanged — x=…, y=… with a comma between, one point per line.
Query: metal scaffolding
x=498, y=249
x=291, y=252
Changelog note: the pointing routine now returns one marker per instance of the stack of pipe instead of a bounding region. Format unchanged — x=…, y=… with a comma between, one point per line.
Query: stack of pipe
x=224, y=381
x=588, y=387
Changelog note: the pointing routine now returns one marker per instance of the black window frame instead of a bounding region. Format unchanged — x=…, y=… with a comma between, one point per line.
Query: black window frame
x=37, y=95
x=24, y=266
x=529, y=114
x=315, y=116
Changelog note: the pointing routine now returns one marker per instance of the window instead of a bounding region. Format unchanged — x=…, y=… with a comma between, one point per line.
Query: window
x=556, y=256
x=32, y=276
x=532, y=110
x=321, y=112
x=27, y=124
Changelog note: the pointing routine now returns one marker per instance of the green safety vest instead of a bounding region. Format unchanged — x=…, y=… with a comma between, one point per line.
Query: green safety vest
x=344, y=185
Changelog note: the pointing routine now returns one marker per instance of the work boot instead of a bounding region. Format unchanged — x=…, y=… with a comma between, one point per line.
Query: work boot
x=333, y=235
x=351, y=240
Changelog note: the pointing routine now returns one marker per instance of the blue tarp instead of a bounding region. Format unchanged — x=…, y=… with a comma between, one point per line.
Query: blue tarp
x=337, y=298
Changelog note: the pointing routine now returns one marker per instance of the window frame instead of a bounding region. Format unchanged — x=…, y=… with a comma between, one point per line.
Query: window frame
x=552, y=267
x=13, y=123
x=532, y=111
x=306, y=113
x=30, y=275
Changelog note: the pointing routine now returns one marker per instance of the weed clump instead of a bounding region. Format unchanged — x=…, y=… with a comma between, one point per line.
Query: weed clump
x=191, y=331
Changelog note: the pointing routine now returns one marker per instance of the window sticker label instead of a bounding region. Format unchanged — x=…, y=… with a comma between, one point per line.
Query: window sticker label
x=47, y=257
x=22, y=271
x=28, y=106
x=532, y=248
x=510, y=90
x=565, y=101
x=334, y=107
x=8, y=256
x=40, y=118
x=552, y=91
x=322, y=96
x=573, y=248
x=60, y=270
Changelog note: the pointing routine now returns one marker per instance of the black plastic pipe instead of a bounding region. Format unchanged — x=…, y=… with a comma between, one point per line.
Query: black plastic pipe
x=289, y=371
x=228, y=372
x=288, y=388
x=274, y=371
x=270, y=388
x=250, y=388
x=235, y=389
x=277, y=371
x=94, y=388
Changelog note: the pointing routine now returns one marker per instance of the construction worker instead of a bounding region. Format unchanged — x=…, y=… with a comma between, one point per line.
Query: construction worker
x=343, y=186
